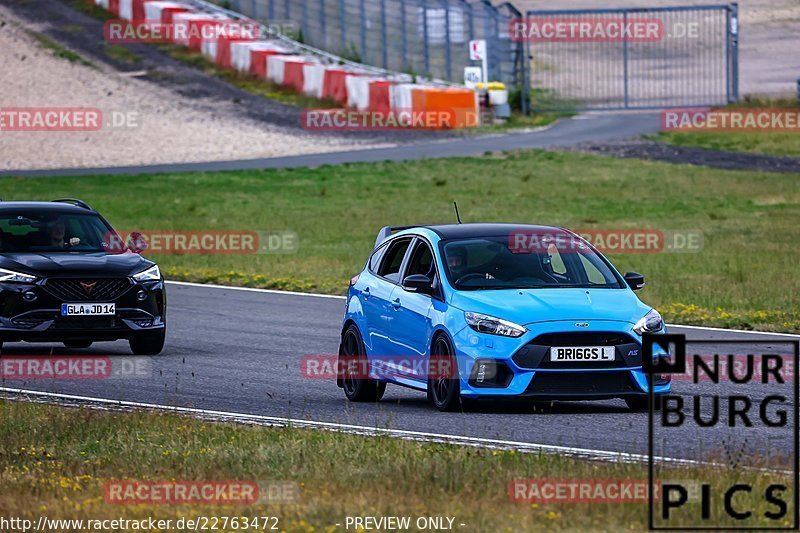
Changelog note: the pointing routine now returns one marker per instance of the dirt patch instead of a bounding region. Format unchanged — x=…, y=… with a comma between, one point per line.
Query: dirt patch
x=656, y=151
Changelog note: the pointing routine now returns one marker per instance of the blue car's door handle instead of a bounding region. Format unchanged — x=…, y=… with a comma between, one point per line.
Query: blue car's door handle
x=396, y=303
x=365, y=292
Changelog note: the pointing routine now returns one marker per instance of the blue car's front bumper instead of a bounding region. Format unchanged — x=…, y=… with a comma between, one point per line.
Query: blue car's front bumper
x=493, y=366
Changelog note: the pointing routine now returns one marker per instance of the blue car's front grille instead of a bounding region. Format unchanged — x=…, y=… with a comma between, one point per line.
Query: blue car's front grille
x=581, y=384
x=535, y=354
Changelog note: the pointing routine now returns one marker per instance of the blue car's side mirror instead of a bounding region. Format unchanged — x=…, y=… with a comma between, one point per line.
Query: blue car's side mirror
x=418, y=283
x=634, y=280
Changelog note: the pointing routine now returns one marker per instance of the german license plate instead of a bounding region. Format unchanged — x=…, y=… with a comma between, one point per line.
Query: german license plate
x=88, y=309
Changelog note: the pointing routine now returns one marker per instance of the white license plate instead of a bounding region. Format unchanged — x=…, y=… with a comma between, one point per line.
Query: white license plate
x=88, y=309
x=572, y=354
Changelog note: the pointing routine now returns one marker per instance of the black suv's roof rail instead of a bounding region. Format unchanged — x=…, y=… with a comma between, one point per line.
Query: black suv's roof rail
x=387, y=231
x=74, y=201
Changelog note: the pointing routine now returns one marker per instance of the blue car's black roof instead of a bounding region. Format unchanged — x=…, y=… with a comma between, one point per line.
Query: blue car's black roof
x=466, y=231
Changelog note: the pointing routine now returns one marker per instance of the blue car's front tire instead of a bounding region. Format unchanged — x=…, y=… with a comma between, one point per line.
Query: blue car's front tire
x=353, y=360
x=444, y=388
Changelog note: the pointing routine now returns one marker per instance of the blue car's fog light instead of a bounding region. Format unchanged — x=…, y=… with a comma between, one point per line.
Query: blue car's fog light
x=490, y=373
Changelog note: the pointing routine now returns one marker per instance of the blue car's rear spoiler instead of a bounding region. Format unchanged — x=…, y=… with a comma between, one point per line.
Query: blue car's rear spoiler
x=387, y=231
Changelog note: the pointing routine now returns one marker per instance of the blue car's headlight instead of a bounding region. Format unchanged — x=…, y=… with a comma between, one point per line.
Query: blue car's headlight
x=151, y=274
x=494, y=326
x=16, y=277
x=650, y=323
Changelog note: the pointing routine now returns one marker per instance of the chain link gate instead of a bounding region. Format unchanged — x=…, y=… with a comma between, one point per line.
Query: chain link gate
x=429, y=38
x=578, y=61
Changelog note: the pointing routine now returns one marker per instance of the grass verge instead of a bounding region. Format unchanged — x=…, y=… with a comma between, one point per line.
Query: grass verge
x=56, y=461
x=767, y=143
x=744, y=276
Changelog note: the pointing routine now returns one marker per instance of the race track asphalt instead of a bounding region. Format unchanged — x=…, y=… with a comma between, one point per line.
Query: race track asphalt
x=240, y=351
x=567, y=132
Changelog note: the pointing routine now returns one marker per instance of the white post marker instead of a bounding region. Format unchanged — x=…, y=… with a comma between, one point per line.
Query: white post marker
x=477, y=52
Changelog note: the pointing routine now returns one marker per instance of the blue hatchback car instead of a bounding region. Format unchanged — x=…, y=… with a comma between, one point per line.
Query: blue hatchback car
x=473, y=311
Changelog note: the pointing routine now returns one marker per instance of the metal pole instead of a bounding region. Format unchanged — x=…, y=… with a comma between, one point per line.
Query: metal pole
x=343, y=25
x=304, y=23
x=447, y=51
x=404, y=34
x=322, y=19
x=425, y=37
x=735, y=49
x=383, y=35
x=625, y=56
x=363, y=13
x=525, y=65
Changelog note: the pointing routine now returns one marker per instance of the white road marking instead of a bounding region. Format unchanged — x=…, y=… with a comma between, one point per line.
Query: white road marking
x=749, y=332
x=251, y=289
x=337, y=297
x=274, y=421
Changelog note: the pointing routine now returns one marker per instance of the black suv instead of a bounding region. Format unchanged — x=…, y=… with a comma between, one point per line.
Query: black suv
x=66, y=276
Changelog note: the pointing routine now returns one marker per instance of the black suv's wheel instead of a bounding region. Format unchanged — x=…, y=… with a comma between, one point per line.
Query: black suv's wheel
x=148, y=343
x=641, y=403
x=77, y=344
x=444, y=389
x=354, y=365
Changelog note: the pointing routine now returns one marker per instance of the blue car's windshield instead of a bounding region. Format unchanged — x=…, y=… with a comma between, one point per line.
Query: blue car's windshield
x=537, y=261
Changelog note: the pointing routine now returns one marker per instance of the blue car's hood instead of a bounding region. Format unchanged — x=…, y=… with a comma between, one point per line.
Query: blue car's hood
x=525, y=306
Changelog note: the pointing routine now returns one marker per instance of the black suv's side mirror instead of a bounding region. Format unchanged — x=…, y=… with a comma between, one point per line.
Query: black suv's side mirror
x=418, y=283
x=634, y=280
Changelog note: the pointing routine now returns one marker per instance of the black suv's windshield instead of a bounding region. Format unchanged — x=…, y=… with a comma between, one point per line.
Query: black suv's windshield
x=531, y=262
x=47, y=230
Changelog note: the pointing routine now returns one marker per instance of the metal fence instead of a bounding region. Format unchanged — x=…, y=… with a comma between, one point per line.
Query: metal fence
x=428, y=38
x=692, y=61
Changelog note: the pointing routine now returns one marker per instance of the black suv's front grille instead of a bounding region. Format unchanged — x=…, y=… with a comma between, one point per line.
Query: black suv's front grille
x=536, y=354
x=88, y=289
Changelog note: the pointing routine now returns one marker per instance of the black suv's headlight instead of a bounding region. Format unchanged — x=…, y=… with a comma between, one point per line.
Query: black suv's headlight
x=151, y=274
x=650, y=323
x=494, y=326
x=15, y=277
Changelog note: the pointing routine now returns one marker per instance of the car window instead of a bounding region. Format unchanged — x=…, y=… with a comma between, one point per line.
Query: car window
x=33, y=231
x=393, y=259
x=556, y=262
x=375, y=258
x=421, y=261
x=593, y=273
x=495, y=263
